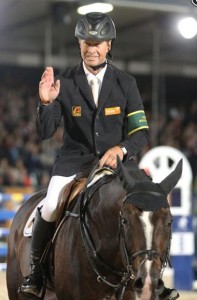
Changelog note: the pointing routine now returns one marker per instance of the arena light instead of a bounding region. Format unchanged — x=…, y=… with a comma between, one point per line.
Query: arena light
x=95, y=7
x=188, y=27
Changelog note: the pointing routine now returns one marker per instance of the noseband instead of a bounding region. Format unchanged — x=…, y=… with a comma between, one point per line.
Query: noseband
x=98, y=262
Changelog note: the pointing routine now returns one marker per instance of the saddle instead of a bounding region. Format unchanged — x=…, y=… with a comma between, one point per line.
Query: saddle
x=75, y=187
x=68, y=194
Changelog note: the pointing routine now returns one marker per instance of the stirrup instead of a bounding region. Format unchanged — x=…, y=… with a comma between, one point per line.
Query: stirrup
x=29, y=296
x=32, y=296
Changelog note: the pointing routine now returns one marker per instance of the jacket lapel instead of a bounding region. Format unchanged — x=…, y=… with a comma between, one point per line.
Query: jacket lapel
x=108, y=82
x=107, y=85
x=82, y=82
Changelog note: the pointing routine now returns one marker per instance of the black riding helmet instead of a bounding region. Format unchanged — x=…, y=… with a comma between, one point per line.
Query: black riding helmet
x=96, y=26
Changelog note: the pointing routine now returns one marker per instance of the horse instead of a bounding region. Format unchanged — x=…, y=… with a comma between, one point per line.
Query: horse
x=112, y=242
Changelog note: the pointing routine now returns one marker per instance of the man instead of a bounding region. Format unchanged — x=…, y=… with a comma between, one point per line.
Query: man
x=103, y=117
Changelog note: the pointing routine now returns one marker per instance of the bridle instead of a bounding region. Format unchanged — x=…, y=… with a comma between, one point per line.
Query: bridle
x=151, y=254
x=97, y=262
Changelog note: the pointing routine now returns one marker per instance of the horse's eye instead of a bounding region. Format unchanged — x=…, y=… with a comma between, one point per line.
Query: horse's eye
x=124, y=221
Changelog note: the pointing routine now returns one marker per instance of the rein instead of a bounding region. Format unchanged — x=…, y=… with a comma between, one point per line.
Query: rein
x=91, y=252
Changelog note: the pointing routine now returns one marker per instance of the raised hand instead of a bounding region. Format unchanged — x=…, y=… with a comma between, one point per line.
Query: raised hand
x=48, y=89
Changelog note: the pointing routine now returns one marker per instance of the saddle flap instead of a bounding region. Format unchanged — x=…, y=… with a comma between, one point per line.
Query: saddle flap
x=29, y=224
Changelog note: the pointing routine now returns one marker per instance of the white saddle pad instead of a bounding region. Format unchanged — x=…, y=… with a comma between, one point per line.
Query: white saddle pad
x=99, y=173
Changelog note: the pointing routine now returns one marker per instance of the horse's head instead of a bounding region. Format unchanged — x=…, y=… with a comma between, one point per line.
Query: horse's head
x=145, y=230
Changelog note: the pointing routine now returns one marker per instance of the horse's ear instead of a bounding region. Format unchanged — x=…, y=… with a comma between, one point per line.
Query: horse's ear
x=171, y=180
x=127, y=180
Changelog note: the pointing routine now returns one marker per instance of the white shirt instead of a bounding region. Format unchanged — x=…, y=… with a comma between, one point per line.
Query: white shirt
x=99, y=76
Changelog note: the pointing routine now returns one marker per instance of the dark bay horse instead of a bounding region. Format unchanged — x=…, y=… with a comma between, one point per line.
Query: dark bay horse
x=112, y=244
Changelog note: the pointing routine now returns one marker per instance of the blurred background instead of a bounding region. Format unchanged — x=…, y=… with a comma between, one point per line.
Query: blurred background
x=151, y=45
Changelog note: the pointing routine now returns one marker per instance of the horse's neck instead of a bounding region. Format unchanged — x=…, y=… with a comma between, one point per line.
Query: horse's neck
x=103, y=224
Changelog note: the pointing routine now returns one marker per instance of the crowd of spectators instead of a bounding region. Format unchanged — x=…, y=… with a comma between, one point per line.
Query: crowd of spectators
x=178, y=129
x=26, y=161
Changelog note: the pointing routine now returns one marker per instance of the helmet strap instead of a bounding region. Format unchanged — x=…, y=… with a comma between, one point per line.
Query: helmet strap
x=98, y=66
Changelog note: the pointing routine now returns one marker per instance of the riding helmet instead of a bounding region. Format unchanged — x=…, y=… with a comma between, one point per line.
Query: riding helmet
x=95, y=26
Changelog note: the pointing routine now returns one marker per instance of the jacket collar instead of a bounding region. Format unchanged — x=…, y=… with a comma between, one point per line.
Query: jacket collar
x=85, y=89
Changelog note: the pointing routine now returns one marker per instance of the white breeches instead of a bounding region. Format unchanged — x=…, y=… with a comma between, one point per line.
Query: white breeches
x=50, y=202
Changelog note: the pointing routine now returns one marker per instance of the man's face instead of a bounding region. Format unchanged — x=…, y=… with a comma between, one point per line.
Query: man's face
x=94, y=53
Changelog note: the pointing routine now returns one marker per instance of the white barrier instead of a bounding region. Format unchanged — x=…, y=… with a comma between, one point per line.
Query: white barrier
x=159, y=162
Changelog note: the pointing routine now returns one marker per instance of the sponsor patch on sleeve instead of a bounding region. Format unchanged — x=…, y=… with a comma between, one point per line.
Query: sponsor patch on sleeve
x=136, y=121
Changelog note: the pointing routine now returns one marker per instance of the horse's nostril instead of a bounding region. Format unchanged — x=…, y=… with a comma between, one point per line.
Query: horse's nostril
x=160, y=286
x=138, y=284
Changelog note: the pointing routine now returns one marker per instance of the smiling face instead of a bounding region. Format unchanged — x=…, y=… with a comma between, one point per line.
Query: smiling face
x=94, y=53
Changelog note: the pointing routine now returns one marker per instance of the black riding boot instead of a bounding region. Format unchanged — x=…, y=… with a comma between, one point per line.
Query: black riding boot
x=42, y=233
x=169, y=294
